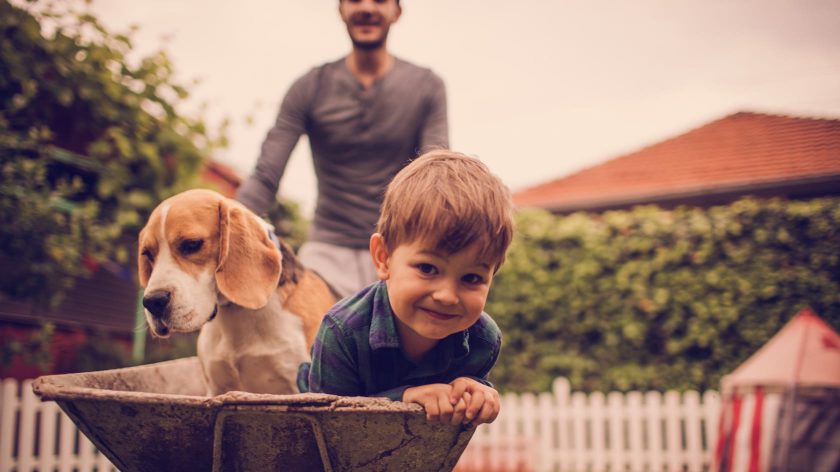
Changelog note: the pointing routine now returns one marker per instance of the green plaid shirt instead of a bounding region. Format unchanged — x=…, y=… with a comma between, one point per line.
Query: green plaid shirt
x=357, y=351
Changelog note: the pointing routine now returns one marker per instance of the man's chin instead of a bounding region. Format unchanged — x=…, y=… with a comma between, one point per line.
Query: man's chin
x=368, y=44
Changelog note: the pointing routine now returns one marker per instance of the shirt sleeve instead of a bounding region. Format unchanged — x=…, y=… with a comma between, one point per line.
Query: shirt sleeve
x=334, y=368
x=258, y=192
x=435, y=131
x=483, y=373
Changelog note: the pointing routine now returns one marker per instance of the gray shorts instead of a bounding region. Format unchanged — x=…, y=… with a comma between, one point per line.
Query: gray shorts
x=346, y=270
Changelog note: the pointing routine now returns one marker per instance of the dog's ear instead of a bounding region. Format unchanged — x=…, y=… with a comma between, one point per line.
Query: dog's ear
x=144, y=266
x=249, y=264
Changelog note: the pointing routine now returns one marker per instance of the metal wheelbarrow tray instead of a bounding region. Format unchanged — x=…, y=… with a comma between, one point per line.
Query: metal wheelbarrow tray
x=155, y=417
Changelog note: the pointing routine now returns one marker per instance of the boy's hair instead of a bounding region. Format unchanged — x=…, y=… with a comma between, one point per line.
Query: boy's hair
x=453, y=200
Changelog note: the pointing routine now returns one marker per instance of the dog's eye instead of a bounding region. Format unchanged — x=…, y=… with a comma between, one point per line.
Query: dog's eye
x=190, y=246
x=148, y=255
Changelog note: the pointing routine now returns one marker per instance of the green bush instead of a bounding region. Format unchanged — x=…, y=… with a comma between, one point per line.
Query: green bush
x=90, y=141
x=655, y=299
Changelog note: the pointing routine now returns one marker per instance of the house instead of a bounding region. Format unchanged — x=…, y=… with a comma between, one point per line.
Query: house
x=223, y=178
x=741, y=154
x=107, y=302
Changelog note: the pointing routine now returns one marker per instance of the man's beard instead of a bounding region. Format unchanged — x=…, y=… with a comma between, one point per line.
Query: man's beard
x=369, y=45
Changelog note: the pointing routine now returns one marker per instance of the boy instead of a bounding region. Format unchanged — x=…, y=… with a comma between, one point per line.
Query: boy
x=419, y=334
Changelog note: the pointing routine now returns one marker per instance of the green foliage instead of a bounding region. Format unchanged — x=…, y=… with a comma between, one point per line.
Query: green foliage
x=656, y=299
x=99, y=352
x=288, y=222
x=89, y=143
x=34, y=351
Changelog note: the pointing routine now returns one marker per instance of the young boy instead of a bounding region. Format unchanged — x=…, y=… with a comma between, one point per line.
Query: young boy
x=419, y=334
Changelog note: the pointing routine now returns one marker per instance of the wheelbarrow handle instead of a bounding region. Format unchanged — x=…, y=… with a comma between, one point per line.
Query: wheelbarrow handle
x=317, y=431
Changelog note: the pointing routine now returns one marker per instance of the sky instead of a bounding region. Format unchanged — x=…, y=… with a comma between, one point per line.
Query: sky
x=537, y=89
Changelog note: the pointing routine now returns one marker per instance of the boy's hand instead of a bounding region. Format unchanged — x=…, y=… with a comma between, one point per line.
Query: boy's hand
x=435, y=399
x=483, y=402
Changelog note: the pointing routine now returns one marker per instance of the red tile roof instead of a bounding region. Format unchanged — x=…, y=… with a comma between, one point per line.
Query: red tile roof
x=224, y=177
x=738, y=154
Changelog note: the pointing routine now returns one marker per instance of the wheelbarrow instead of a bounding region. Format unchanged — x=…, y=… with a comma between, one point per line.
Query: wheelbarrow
x=155, y=417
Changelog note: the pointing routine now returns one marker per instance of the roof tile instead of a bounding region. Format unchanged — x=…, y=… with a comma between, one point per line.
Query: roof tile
x=741, y=149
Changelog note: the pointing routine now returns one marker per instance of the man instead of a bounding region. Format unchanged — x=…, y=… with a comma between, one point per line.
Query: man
x=366, y=115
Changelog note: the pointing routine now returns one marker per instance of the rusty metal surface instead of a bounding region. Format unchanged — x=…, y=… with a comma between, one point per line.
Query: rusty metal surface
x=156, y=418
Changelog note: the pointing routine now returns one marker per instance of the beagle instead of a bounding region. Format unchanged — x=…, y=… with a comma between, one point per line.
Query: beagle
x=207, y=262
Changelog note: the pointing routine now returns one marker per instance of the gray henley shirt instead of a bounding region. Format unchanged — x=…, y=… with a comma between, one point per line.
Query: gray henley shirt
x=359, y=140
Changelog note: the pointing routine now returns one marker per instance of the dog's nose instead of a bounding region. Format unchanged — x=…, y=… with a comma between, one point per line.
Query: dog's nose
x=156, y=303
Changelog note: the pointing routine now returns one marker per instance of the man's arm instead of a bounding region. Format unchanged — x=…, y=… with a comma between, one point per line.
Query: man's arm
x=258, y=192
x=435, y=131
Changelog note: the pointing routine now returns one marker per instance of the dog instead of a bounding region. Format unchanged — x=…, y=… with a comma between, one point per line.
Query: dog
x=207, y=262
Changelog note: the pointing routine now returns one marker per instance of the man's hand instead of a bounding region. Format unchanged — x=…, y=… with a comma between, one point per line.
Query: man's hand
x=482, y=402
x=435, y=399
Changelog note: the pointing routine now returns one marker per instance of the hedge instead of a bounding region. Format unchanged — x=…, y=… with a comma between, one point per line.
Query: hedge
x=651, y=298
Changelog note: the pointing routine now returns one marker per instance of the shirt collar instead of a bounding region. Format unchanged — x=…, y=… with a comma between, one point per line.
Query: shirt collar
x=383, y=331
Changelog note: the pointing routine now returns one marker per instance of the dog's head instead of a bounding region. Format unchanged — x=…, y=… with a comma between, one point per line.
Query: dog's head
x=199, y=249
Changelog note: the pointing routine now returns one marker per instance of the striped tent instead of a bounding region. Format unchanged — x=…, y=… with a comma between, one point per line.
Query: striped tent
x=781, y=407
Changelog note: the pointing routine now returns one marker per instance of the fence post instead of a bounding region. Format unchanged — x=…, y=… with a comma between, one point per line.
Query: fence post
x=66, y=445
x=8, y=408
x=563, y=453
x=598, y=415
x=693, y=427
x=50, y=417
x=28, y=416
x=547, y=435
x=615, y=407
x=580, y=446
x=711, y=413
x=673, y=433
x=635, y=430
x=511, y=403
x=653, y=412
x=531, y=429
x=495, y=437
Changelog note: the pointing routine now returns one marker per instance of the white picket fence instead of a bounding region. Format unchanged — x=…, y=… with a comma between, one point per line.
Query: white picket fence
x=558, y=431
x=37, y=435
x=565, y=431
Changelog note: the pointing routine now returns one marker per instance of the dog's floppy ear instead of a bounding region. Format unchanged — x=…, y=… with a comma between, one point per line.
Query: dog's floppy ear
x=249, y=263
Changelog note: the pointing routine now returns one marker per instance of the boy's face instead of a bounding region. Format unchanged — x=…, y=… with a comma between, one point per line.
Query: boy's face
x=433, y=294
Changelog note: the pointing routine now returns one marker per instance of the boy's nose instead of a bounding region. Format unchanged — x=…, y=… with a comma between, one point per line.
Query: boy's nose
x=446, y=293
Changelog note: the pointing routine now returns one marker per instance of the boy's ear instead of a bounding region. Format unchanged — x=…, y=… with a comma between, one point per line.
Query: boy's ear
x=379, y=254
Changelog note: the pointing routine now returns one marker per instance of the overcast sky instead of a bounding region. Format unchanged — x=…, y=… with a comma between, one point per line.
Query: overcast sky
x=537, y=88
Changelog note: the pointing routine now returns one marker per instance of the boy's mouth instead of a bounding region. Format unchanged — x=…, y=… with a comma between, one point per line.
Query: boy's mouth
x=438, y=315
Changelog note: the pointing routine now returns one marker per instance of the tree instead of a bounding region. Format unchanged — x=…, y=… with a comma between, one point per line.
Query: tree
x=89, y=143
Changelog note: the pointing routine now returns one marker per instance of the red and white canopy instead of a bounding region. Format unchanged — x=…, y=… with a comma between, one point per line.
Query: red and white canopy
x=805, y=352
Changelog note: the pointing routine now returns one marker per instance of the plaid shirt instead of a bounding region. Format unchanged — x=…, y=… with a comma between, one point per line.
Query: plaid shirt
x=357, y=351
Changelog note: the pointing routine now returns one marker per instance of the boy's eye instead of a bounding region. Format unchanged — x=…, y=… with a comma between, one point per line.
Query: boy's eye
x=427, y=269
x=473, y=279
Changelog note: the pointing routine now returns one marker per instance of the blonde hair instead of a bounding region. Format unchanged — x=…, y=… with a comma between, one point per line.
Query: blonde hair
x=451, y=199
